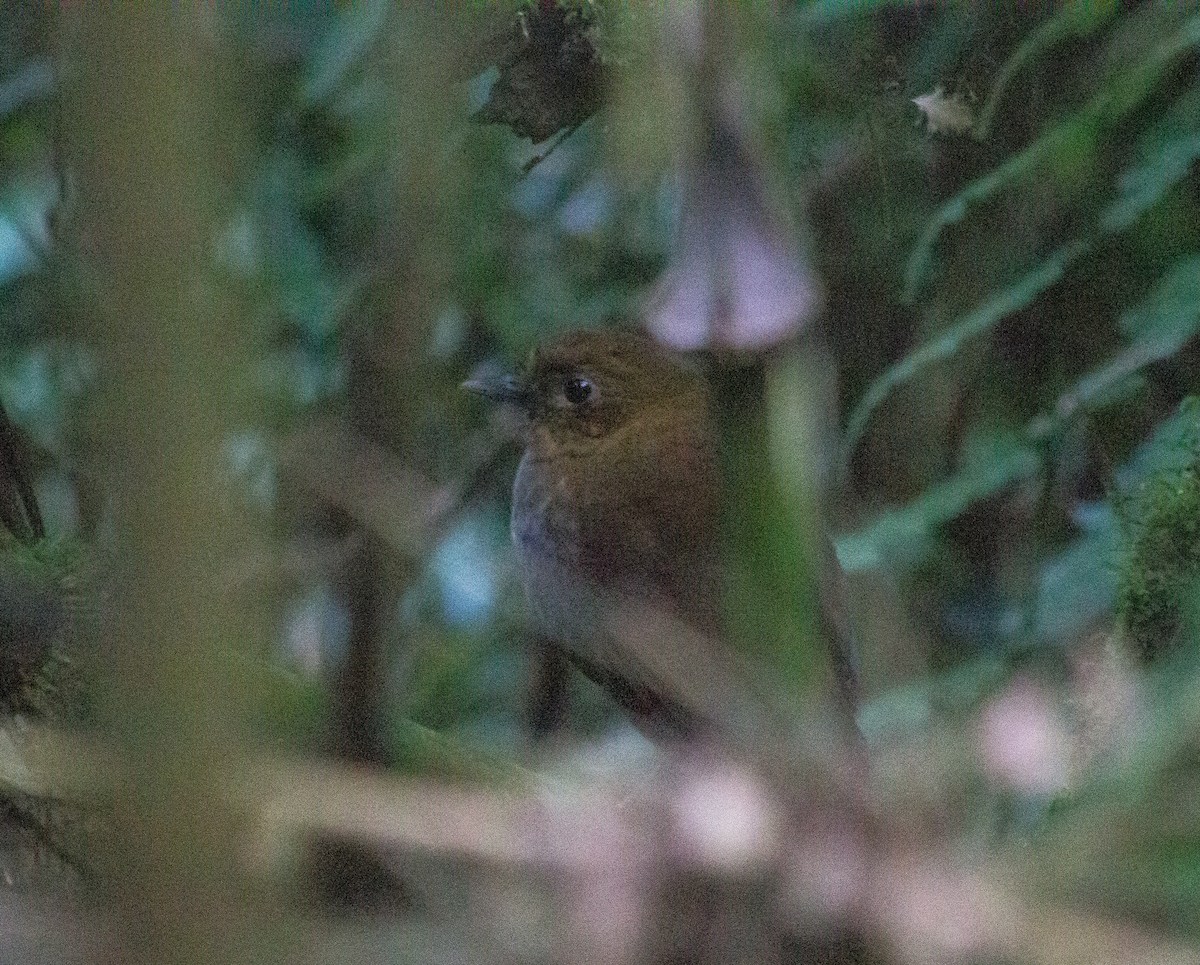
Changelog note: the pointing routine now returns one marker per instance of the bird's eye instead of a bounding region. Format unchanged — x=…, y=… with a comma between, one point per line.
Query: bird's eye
x=577, y=391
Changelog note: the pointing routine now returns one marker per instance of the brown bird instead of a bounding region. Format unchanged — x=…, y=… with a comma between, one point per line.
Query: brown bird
x=617, y=499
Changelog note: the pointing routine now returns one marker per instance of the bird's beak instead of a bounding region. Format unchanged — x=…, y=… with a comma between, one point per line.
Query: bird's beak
x=504, y=389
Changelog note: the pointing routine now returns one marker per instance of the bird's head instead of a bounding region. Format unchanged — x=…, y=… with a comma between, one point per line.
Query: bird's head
x=590, y=384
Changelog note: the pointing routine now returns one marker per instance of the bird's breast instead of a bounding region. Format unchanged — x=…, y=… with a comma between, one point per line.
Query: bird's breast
x=546, y=535
x=636, y=519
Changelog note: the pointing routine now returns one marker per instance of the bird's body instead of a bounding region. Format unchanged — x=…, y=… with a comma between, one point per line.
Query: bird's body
x=617, y=501
x=633, y=510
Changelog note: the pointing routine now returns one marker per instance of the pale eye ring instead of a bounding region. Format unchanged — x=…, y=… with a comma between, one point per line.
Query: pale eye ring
x=578, y=391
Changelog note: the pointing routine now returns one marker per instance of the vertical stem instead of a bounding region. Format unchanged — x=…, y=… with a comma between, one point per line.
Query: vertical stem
x=147, y=122
x=770, y=548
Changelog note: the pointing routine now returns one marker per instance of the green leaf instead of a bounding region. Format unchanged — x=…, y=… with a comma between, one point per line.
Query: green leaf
x=825, y=11
x=977, y=322
x=1170, y=314
x=1171, y=448
x=343, y=47
x=1158, y=327
x=1077, y=586
x=24, y=209
x=902, y=533
x=1073, y=20
x=1166, y=154
x=1082, y=128
x=32, y=82
x=1120, y=95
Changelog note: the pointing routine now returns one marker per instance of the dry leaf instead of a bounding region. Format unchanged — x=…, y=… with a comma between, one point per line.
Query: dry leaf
x=948, y=114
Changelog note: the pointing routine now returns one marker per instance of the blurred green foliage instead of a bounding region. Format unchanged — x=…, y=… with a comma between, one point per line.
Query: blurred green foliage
x=1011, y=306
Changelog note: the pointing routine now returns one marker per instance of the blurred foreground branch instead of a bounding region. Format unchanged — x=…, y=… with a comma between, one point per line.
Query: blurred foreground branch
x=150, y=129
x=573, y=870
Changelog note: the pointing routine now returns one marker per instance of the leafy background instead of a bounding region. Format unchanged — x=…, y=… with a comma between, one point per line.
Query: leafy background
x=300, y=217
